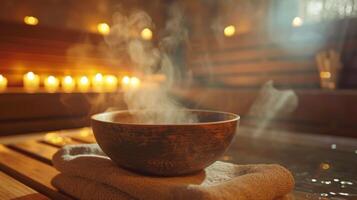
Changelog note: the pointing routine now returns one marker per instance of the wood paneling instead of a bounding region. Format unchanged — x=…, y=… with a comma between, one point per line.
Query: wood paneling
x=51, y=51
x=286, y=57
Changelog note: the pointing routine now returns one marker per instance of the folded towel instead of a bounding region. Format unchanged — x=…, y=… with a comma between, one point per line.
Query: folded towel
x=87, y=173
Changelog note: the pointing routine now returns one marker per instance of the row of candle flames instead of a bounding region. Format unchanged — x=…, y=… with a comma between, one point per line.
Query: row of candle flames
x=98, y=83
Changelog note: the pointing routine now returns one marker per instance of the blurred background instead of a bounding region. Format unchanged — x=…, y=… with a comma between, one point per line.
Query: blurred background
x=59, y=64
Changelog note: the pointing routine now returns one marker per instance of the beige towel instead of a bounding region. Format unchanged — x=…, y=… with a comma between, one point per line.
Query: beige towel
x=86, y=173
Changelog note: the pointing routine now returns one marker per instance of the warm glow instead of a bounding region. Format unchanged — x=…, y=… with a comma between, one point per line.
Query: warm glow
x=125, y=80
x=297, y=21
x=111, y=83
x=3, y=83
x=146, y=34
x=98, y=82
x=68, y=84
x=83, y=84
x=30, y=75
x=229, y=31
x=31, y=20
x=31, y=81
x=51, y=84
x=56, y=139
x=325, y=75
x=130, y=83
x=134, y=82
x=103, y=28
x=324, y=166
x=85, y=133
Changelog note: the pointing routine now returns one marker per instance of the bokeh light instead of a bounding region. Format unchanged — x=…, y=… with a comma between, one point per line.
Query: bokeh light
x=31, y=20
x=103, y=28
x=297, y=21
x=229, y=31
x=146, y=34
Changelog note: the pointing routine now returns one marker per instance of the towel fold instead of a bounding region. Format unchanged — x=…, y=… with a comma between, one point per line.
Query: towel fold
x=87, y=173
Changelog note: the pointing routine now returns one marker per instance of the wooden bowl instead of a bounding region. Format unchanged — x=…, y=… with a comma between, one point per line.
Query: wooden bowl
x=164, y=149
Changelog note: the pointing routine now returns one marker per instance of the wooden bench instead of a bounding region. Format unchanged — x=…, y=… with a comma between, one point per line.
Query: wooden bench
x=26, y=170
x=36, y=112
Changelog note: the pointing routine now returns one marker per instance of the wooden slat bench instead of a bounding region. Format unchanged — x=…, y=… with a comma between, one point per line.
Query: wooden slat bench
x=26, y=170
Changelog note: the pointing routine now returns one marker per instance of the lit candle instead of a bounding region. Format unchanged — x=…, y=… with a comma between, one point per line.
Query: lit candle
x=83, y=84
x=31, y=81
x=3, y=83
x=146, y=34
x=51, y=84
x=125, y=82
x=103, y=28
x=68, y=84
x=98, y=82
x=134, y=82
x=229, y=31
x=31, y=20
x=111, y=83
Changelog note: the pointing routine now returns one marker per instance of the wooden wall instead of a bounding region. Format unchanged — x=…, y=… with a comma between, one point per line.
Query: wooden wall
x=59, y=52
x=287, y=58
x=229, y=72
x=51, y=51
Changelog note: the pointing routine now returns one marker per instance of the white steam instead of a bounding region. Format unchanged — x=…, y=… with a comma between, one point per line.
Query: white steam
x=150, y=60
x=272, y=103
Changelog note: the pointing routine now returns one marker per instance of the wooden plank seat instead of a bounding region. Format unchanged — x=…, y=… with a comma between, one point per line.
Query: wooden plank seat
x=11, y=188
x=29, y=171
x=26, y=170
x=31, y=164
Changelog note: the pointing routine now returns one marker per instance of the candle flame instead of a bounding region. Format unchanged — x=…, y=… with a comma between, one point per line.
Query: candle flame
x=31, y=20
x=68, y=80
x=134, y=82
x=229, y=31
x=84, y=80
x=103, y=28
x=3, y=82
x=51, y=79
x=146, y=34
x=98, y=77
x=30, y=75
x=51, y=83
x=125, y=80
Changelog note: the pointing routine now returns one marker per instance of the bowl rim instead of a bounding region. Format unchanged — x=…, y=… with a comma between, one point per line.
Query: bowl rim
x=96, y=117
